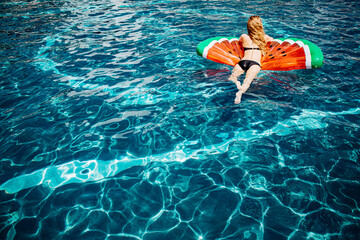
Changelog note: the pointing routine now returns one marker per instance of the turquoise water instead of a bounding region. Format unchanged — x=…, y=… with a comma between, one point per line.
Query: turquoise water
x=113, y=128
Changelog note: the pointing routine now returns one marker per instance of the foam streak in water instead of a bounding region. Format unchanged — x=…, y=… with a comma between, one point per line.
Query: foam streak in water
x=94, y=170
x=82, y=171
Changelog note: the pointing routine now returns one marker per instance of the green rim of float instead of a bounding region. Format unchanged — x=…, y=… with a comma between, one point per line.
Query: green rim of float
x=314, y=55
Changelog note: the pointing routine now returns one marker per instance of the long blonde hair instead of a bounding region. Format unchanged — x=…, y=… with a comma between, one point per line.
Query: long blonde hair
x=256, y=33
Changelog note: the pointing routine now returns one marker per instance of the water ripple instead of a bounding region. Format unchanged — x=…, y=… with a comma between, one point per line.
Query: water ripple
x=110, y=120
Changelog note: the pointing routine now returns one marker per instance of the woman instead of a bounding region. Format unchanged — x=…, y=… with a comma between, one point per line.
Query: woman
x=255, y=45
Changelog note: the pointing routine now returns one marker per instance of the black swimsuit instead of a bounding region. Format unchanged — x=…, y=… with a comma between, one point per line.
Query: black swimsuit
x=246, y=64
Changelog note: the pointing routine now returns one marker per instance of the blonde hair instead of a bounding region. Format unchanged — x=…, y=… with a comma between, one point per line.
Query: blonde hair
x=256, y=33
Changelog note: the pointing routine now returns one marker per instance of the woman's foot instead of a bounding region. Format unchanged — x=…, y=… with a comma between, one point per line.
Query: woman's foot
x=238, y=97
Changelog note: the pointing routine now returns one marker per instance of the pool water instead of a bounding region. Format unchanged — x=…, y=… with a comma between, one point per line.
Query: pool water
x=113, y=128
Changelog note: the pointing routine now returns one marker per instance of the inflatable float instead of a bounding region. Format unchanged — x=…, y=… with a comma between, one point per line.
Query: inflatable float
x=282, y=55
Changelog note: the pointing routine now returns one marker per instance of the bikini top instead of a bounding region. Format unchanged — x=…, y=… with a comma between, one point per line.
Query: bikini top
x=245, y=48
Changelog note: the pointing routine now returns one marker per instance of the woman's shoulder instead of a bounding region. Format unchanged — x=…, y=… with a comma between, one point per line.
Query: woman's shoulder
x=268, y=38
x=244, y=36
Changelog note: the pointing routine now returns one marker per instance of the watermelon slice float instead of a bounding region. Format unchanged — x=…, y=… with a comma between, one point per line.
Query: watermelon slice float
x=282, y=55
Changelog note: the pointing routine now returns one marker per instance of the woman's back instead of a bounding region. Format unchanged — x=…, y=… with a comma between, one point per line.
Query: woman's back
x=252, y=51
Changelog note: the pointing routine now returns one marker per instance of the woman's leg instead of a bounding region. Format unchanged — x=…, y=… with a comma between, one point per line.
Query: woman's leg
x=235, y=73
x=250, y=75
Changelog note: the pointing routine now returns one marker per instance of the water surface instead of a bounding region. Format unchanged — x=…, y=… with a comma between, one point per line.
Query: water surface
x=113, y=128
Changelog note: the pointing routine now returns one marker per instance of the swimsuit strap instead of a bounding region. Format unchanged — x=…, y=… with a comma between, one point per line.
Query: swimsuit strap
x=251, y=48
x=245, y=48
